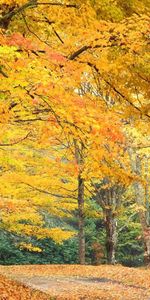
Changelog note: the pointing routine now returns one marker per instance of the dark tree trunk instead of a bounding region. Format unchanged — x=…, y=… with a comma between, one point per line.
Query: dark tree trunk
x=111, y=236
x=79, y=155
x=142, y=199
x=110, y=201
x=147, y=245
x=81, y=233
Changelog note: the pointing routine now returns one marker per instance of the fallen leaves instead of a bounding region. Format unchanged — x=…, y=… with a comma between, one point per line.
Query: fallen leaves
x=10, y=290
x=78, y=282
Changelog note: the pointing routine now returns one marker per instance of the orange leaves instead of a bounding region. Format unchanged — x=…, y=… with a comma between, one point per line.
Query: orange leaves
x=58, y=159
x=55, y=57
x=35, y=101
x=18, y=40
x=14, y=291
x=5, y=113
x=108, y=132
x=79, y=87
x=79, y=102
x=71, y=169
x=74, y=282
x=112, y=134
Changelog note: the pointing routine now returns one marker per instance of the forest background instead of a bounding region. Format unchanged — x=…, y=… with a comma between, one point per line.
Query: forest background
x=74, y=121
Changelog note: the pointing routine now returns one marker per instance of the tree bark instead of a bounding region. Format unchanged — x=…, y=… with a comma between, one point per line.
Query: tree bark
x=146, y=235
x=111, y=236
x=79, y=148
x=110, y=200
x=81, y=224
x=147, y=191
x=147, y=203
x=142, y=200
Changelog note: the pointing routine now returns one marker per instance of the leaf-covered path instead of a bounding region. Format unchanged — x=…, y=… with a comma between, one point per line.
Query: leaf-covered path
x=84, y=282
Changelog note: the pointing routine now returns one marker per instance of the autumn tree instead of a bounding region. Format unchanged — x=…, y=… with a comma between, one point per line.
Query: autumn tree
x=45, y=59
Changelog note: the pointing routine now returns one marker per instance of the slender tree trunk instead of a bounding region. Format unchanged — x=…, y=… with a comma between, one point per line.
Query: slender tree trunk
x=147, y=191
x=79, y=148
x=81, y=224
x=147, y=203
x=140, y=198
x=146, y=234
x=142, y=201
x=111, y=236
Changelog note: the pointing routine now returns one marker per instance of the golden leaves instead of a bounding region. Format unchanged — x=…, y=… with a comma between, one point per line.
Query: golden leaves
x=29, y=247
x=69, y=78
x=14, y=291
x=113, y=282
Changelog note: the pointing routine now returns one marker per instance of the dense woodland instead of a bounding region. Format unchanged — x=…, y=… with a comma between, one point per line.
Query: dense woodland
x=74, y=123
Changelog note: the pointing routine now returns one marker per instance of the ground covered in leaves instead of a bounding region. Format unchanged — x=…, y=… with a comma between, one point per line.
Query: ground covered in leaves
x=74, y=282
x=10, y=290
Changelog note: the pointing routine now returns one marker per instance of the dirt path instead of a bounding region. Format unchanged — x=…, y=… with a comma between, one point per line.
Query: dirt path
x=63, y=287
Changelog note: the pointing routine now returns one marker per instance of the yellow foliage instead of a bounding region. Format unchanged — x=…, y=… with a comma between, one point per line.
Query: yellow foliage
x=70, y=84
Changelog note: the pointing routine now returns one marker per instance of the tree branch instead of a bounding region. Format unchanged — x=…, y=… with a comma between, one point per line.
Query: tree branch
x=17, y=142
x=86, y=47
x=78, y=52
x=117, y=91
x=5, y=20
x=32, y=32
x=48, y=193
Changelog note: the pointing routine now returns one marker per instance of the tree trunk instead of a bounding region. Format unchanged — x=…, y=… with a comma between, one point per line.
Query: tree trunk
x=143, y=202
x=147, y=203
x=81, y=233
x=140, y=198
x=147, y=191
x=111, y=236
x=146, y=234
x=79, y=149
